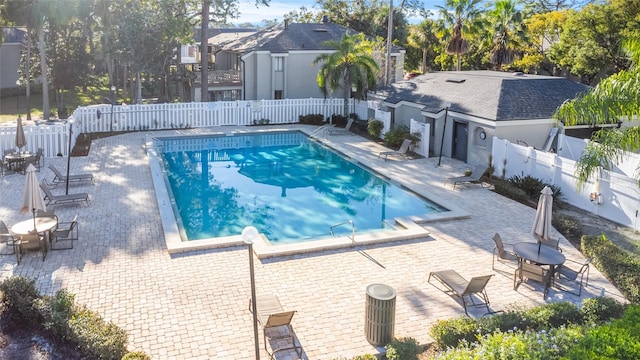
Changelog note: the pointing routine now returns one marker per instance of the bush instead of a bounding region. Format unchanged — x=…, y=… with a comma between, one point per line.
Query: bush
x=554, y=315
x=617, y=264
x=57, y=311
x=567, y=226
x=601, y=309
x=374, y=127
x=95, y=337
x=394, y=137
x=403, y=349
x=139, y=355
x=339, y=120
x=20, y=297
x=531, y=186
x=311, y=119
x=506, y=189
x=451, y=332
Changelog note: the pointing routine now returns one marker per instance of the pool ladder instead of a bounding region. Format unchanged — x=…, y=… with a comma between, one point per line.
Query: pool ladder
x=353, y=229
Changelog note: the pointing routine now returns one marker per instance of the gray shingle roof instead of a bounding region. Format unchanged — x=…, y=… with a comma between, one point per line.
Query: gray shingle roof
x=296, y=36
x=486, y=94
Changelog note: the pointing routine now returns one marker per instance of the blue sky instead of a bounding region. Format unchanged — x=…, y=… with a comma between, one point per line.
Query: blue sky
x=277, y=8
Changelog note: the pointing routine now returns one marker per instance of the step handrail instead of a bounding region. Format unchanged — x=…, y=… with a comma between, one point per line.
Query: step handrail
x=353, y=229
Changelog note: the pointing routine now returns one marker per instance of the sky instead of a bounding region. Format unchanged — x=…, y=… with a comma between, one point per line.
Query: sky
x=277, y=8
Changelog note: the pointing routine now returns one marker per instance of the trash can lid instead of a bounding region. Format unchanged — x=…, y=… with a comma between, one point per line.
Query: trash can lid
x=381, y=291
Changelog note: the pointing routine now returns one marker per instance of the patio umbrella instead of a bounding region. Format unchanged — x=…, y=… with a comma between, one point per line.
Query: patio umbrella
x=21, y=141
x=542, y=222
x=32, y=198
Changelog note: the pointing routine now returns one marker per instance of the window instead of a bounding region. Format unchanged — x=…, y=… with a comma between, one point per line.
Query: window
x=278, y=64
x=278, y=95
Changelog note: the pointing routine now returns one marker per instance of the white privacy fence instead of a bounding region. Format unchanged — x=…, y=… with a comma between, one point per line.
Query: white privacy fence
x=53, y=138
x=102, y=118
x=614, y=196
x=423, y=130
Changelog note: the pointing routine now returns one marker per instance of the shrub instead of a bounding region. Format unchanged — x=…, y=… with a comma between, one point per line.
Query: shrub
x=505, y=188
x=374, y=127
x=339, y=120
x=311, y=119
x=403, y=349
x=617, y=340
x=601, y=309
x=617, y=264
x=20, y=297
x=567, y=225
x=57, y=311
x=531, y=186
x=394, y=137
x=451, y=332
x=554, y=315
x=95, y=337
x=139, y=355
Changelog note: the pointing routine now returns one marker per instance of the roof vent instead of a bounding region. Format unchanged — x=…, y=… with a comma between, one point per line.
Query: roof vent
x=320, y=30
x=518, y=73
x=456, y=80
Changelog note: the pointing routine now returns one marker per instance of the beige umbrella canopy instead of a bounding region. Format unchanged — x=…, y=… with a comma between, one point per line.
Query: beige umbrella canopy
x=541, y=229
x=32, y=199
x=21, y=140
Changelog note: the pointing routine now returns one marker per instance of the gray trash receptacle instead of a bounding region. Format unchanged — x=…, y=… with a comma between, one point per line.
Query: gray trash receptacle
x=380, y=314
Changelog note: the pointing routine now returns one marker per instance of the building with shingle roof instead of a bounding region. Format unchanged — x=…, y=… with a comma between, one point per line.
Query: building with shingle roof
x=482, y=104
x=277, y=62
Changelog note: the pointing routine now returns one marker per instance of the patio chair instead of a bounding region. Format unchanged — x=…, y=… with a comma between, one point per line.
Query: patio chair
x=271, y=316
x=341, y=131
x=3, y=168
x=402, y=151
x=501, y=253
x=459, y=286
x=575, y=274
x=552, y=243
x=7, y=241
x=62, y=238
x=533, y=272
x=59, y=178
x=474, y=178
x=35, y=241
x=40, y=157
x=61, y=199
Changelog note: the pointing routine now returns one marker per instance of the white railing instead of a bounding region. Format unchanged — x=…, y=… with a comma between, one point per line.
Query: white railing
x=619, y=195
x=195, y=115
x=53, y=138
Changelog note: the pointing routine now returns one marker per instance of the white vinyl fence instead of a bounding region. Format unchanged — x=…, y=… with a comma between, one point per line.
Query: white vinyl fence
x=423, y=129
x=53, y=138
x=102, y=118
x=614, y=195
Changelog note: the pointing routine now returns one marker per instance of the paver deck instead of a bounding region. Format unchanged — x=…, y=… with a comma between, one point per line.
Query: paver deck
x=194, y=305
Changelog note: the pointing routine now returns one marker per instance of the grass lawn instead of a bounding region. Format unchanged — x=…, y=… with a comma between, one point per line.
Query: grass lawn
x=72, y=99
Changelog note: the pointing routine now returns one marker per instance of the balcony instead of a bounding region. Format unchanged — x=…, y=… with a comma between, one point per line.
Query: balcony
x=222, y=78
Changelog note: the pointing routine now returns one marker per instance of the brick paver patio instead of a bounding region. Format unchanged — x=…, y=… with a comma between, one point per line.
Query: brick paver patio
x=194, y=305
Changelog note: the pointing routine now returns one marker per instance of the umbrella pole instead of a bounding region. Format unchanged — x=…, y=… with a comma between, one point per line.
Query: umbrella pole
x=539, y=244
x=33, y=211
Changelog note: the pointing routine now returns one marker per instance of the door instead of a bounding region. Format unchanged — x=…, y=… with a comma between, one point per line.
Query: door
x=460, y=137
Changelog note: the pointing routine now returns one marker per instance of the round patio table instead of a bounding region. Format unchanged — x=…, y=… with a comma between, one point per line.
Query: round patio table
x=540, y=254
x=43, y=225
x=18, y=159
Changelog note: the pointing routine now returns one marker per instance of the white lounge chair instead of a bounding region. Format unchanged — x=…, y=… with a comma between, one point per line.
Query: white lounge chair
x=59, y=178
x=341, y=131
x=402, y=152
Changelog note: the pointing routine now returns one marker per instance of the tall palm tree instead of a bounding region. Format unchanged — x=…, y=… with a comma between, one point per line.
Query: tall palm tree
x=508, y=32
x=423, y=36
x=615, y=98
x=350, y=66
x=464, y=16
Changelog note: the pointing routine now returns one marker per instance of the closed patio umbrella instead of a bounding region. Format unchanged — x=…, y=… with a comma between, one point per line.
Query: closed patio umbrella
x=32, y=198
x=542, y=223
x=21, y=140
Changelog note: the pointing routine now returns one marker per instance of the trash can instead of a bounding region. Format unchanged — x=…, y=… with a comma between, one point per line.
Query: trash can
x=380, y=314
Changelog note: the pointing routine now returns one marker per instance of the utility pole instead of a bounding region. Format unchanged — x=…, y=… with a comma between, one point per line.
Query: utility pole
x=389, y=42
x=204, y=54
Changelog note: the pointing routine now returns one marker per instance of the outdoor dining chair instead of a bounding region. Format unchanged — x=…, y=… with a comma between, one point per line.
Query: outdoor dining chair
x=32, y=242
x=533, y=272
x=62, y=238
x=7, y=241
x=574, y=273
x=501, y=253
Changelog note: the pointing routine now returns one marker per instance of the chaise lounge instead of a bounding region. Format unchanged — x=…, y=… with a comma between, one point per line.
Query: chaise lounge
x=341, y=131
x=402, y=152
x=474, y=178
x=460, y=287
x=52, y=199
x=271, y=315
x=59, y=178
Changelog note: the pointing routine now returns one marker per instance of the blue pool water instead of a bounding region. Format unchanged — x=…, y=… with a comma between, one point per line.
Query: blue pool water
x=288, y=186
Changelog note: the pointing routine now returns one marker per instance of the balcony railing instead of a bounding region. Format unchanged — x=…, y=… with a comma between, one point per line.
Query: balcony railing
x=222, y=77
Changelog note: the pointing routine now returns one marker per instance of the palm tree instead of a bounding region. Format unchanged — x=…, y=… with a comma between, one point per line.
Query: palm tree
x=508, y=32
x=616, y=97
x=423, y=36
x=350, y=66
x=465, y=18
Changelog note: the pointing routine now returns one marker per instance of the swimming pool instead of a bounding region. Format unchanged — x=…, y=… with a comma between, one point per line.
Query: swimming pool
x=290, y=187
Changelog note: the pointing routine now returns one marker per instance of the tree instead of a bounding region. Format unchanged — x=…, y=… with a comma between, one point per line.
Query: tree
x=423, y=38
x=508, y=32
x=464, y=17
x=350, y=66
x=613, y=99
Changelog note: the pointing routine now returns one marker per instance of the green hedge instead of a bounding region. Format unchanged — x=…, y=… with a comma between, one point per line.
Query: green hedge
x=620, y=266
x=98, y=339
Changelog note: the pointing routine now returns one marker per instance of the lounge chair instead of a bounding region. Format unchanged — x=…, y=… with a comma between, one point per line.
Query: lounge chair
x=500, y=251
x=474, y=178
x=464, y=289
x=402, y=152
x=271, y=315
x=62, y=199
x=341, y=131
x=59, y=178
